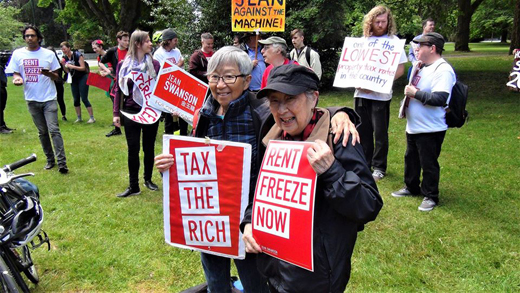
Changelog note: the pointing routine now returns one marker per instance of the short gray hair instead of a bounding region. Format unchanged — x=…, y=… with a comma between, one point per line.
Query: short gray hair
x=230, y=55
x=281, y=47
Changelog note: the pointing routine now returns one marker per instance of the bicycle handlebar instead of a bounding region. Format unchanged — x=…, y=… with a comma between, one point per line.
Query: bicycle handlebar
x=20, y=163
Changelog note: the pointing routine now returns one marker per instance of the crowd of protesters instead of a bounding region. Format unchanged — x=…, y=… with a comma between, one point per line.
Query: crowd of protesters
x=259, y=90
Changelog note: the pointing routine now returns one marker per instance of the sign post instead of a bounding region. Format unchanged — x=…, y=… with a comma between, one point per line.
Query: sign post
x=205, y=194
x=283, y=210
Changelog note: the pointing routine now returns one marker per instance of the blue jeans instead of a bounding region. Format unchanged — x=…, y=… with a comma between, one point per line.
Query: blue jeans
x=45, y=117
x=217, y=272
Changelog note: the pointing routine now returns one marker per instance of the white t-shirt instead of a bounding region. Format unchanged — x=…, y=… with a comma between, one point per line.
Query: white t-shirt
x=174, y=56
x=435, y=77
x=37, y=87
x=376, y=95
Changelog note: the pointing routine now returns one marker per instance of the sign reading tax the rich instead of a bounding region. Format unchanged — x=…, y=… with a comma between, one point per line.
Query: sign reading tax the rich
x=283, y=210
x=369, y=63
x=205, y=194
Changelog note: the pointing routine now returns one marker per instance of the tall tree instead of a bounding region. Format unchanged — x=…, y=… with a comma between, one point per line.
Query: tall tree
x=466, y=10
x=10, y=36
x=515, y=35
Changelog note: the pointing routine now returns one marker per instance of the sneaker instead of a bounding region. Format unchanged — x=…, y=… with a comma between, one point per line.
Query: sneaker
x=427, y=204
x=91, y=120
x=49, y=165
x=402, y=193
x=378, y=175
x=78, y=120
x=115, y=131
x=63, y=169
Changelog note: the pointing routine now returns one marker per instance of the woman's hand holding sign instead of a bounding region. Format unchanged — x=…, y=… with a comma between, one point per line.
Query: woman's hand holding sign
x=249, y=241
x=320, y=157
x=164, y=162
x=341, y=124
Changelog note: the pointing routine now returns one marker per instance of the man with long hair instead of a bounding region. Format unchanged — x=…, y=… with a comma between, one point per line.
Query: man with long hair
x=374, y=107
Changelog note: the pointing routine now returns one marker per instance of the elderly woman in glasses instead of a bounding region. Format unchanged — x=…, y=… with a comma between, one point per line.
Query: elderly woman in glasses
x=233, y=113
x=346, y=194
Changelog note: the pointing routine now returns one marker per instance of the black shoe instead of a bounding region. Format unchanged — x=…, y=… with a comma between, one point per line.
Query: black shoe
x=4, y=130
x=63, y=169
x=150, y=185
x=49, y=165
x=63, y=118
x=8, y=128
x=129, y=191
x=115, y=131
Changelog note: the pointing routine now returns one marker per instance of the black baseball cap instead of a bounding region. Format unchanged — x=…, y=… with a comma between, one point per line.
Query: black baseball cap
x=168, y=34
x=432, y=39
x=290, y=79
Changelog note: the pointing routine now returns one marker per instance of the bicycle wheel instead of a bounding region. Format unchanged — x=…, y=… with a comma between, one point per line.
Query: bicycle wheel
x=30, y=271
x=7, y=282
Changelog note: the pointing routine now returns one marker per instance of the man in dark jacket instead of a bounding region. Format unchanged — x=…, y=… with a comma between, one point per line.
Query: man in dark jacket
x=199, y=59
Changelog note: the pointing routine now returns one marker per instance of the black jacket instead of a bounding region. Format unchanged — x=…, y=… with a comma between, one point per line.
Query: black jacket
x=346, y=198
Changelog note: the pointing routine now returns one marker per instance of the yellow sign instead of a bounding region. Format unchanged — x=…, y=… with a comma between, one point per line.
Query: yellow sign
x=258, y=15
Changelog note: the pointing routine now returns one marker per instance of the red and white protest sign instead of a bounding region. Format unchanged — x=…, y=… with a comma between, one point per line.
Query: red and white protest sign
x=177, y=91
x=369, y=63
x=206, y=193
x=145, y=84
x=283, y=210
x=514, y=77
x=101, y=82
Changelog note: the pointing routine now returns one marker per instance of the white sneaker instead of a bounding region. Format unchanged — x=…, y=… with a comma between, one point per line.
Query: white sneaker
x=78, y=120
x=91, y=120
x=427, y=204
x=378, y=175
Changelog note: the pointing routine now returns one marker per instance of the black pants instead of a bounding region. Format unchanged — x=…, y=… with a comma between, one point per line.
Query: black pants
x=375, y=118
x=171, y=126
x=59, y=96
x=422, y=152
x=133, y=132
x=3, y=103
x=112, y=98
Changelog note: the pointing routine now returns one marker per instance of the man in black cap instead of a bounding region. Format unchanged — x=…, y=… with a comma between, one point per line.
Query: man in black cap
x=429, y=93
x=169, y=51
x=346, y=194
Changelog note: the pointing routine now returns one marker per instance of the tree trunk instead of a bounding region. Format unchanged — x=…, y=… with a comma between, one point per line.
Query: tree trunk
x=466, y=10
x=515, y=35
x=503, y=35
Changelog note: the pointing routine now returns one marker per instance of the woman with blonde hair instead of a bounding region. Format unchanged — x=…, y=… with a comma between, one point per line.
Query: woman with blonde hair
x=129, y=99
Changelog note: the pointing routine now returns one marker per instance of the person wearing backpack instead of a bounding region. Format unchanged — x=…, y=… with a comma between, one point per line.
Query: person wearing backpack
x=304, y=55
x=428, y=94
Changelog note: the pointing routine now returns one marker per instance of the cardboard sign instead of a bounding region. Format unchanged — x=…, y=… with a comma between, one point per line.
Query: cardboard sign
x=145, y=84
x=514, y=76
x=206, y=193
x=258, y=15
x=101, y=82
x=369, y=63
x=283, y=210
x=179, y=92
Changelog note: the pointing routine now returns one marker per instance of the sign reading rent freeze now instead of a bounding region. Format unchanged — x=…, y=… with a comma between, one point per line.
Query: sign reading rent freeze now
x=283, y=210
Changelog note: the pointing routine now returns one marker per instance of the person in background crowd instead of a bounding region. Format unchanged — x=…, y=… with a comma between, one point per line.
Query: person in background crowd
x=35, y=68
x=113, y=56
x=255, y=54
x=236, y=41
x=169, y=51
x=300, y=53
x=274, y=53
x=156, y=40
x=428, y=26
x=59, y=88
x=74, y=64
x=105, y=70
x=346, y=194
x=426, y=127
x=139, y=59
x=374, y=107
x=200, y=58
x=3, y=101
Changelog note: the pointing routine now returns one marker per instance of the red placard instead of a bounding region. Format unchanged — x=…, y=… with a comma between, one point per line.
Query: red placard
x=205, y=194
x=178, y=91
x=283, y=210
x=99, y=81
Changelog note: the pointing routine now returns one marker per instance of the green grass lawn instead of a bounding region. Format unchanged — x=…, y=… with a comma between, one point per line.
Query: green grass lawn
x=470, y=243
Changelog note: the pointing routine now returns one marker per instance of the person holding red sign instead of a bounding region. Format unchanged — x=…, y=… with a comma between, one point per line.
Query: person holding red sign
x=137, y=59
x=233, y=113
x=346, y=194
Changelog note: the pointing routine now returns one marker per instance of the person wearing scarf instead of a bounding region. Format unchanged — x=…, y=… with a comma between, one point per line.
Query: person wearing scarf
x=129, y=99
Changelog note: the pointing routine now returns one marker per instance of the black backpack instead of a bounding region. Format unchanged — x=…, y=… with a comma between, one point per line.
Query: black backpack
x=456, y=114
